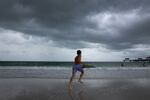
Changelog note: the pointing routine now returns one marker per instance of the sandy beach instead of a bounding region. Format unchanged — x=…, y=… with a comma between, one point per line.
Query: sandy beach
x=92, y=89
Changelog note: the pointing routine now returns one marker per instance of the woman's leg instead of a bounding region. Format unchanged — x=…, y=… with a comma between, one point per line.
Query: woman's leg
x=81, y=76
x=70, y=81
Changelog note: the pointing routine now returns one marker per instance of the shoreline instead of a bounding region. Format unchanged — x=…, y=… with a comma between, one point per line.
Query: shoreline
x=60, y=73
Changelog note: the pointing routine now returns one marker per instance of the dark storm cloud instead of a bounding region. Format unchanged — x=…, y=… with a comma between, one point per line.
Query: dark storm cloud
x=138, y=33
x=65, y=21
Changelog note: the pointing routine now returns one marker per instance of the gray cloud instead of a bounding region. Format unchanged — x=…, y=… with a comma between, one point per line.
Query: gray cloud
x=72, y=23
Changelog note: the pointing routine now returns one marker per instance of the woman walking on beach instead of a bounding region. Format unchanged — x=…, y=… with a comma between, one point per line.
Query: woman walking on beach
x=77, y=67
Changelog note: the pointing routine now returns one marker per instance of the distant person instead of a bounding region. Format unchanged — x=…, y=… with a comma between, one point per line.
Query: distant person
x=122, y=64
x=144, y=64
x=78, y=66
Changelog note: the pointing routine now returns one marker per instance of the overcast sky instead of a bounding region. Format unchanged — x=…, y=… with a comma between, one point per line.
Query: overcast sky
x=52, y=30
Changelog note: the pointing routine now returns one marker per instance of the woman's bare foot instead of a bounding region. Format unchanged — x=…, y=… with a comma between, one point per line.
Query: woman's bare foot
x=69, y=86
x=80, y=82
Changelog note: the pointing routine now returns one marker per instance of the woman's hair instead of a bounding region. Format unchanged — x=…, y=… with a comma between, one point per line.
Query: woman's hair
x=78, y=52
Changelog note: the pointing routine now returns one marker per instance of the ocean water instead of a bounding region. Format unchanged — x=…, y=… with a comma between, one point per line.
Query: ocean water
x=63, y=70
x=69, y=64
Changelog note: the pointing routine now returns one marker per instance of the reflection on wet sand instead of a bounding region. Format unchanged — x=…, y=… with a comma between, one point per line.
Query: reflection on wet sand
x=54, y=89
x=73, y=95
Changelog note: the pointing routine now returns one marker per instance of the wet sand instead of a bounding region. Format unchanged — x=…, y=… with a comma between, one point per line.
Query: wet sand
x=92, y=89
